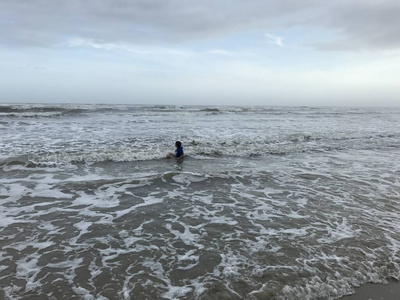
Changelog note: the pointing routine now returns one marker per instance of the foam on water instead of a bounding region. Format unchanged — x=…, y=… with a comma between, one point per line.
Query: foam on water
x=92, y=212
x=132, y=133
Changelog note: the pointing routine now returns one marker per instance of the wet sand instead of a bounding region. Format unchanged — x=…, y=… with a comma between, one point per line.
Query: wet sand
x=390, y=291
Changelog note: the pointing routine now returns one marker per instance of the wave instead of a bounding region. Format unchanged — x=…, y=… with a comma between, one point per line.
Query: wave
x=35, y=111
x=59, y=110
x=211, y=110
x=136, y=151
x=21, y=161
x=71, y=110
x=56, y=110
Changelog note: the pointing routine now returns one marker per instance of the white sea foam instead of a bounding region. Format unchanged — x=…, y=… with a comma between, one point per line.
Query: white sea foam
x=88, y=206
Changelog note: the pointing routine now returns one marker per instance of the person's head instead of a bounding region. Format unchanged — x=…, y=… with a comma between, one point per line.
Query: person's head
x=178, y=144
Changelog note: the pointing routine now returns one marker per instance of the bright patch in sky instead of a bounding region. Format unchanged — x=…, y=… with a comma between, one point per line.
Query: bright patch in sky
x=275, y=40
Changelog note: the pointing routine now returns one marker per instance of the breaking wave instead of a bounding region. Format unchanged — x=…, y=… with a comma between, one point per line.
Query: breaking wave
x=136, y=150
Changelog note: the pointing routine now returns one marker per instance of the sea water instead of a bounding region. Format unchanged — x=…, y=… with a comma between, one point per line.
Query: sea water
x=269, y=202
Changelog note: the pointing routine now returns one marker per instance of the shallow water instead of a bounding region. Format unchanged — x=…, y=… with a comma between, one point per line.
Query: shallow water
x=269, y=203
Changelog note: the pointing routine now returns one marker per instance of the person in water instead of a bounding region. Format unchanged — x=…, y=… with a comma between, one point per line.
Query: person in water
x=178, y=151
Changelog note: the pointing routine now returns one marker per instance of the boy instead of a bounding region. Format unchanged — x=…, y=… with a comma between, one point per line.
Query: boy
x=178, y=151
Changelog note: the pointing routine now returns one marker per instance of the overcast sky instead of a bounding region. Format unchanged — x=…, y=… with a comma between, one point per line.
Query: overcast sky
x=234, y=52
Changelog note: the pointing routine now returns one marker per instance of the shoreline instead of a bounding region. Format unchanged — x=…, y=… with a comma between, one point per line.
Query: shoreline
x=376, y=291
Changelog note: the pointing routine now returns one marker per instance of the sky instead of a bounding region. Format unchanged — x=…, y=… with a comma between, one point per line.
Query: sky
x=226, y=52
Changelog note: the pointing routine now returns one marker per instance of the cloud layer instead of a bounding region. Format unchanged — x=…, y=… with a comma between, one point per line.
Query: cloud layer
x=267, y=52
x=353, y=25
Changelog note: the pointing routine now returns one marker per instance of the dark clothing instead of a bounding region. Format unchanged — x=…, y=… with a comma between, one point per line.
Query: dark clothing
x=179, y=152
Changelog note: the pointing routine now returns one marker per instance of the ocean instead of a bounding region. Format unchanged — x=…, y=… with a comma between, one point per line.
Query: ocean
x=268, y=203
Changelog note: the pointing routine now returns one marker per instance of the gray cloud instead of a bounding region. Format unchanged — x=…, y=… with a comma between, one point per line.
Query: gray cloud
x=359, y=24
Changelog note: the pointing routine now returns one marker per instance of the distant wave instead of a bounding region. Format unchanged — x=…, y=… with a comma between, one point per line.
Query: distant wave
x=210, y=110
x=34, y=111
x=60, y=110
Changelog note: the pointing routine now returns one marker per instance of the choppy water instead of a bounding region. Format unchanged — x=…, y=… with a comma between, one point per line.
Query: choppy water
x=269, y=203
